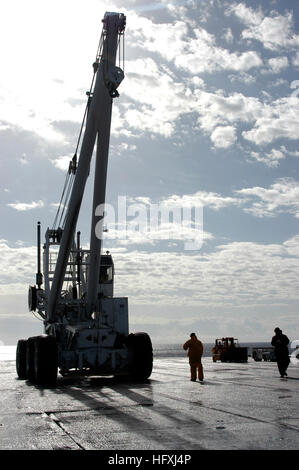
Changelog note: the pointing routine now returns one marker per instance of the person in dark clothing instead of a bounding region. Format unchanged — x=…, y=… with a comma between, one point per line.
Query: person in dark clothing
x=195, y=350
x=280, y=343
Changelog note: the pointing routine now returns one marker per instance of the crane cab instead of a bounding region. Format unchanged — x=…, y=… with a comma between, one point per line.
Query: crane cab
x=106, y=278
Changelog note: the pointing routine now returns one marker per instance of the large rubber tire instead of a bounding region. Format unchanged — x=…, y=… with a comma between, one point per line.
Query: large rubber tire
x=30, y=372
x=21, y=359
x=45, y=360
x=140, y=356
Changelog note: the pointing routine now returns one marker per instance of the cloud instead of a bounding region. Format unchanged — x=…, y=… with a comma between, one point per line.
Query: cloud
x=218, y=113
x=158, y=110
x=277, y=64
x=176, y=218
x=274, y=121
x=228, y=36
x=158, y=89
x=271, y=159
x=233, y=273
x=217, y=109
x=23, y=206
x=275, y=32
x=162, y=103
x=17, y=268
x=292, y=246
x=224, y=136
x=281, y=197
x=196, y=53
x=292, y=153
x=242, y=77
x=123, y=149
x=201, y=198
x=295, y=60
x=62, y=163
x=172, y=219
x=247, y=15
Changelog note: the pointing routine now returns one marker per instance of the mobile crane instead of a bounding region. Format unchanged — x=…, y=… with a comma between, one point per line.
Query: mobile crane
x=86, y=329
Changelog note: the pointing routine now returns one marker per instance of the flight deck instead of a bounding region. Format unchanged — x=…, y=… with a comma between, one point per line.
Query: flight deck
x=239, y=406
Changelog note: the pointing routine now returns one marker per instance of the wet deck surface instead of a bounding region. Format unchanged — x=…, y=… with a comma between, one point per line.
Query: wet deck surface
x=239, y=406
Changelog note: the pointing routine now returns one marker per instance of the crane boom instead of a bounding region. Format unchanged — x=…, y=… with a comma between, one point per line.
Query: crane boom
x=97, y=125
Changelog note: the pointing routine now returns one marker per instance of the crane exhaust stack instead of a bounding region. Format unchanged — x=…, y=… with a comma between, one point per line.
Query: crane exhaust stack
x=86, y=328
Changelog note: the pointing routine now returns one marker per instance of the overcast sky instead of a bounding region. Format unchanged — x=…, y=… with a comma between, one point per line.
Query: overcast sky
x=207, y=117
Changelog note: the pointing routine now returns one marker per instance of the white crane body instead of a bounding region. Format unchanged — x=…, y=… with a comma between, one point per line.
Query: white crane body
x=86, y=328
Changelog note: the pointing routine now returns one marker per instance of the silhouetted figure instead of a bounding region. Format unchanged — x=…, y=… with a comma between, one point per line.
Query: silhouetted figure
x=280, y=343
x=195, y=350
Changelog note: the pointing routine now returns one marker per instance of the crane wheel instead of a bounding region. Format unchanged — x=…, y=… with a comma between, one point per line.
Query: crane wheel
x=140, y=356
x=21, y=359
x=45, y=360
x=30, y=372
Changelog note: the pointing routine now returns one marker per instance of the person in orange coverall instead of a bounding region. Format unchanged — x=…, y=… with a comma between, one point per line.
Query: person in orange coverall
x=195, y=350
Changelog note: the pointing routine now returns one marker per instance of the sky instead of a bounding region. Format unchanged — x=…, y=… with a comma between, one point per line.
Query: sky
x=207, y=120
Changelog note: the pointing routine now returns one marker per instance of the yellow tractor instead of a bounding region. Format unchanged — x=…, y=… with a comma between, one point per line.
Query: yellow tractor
x=229, y=350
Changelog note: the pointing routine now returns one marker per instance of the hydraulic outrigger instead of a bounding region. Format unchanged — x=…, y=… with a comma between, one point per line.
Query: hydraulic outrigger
x=86, y=329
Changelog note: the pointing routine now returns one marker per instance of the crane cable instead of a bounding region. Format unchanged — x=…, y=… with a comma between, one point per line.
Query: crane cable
x=70, y=176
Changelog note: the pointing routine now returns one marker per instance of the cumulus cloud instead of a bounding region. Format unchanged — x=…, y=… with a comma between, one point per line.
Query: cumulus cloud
x=247, y=15
x=281, y=197
x=275, y=31
x=277, y=64
x=218, y=113
x=218, y=110
x=194, y=53
x=162, y=84
x=160, y=105
x=224, y=136
x=275, y=120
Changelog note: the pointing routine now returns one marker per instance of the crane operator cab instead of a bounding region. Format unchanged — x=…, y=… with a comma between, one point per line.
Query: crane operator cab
x=106, y=276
